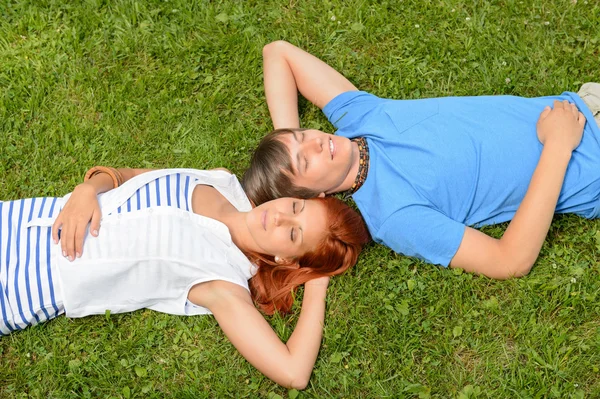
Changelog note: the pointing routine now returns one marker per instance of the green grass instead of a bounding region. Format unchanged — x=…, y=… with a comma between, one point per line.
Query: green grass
x=179, y=84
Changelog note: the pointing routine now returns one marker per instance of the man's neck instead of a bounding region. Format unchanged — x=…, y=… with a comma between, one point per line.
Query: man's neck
x=352, y=172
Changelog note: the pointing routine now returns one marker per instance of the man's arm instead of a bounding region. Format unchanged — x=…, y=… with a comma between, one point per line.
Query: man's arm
x=560, y=131
x=287, y=70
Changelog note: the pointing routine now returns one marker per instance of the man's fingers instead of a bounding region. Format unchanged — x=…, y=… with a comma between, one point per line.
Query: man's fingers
x=574, y=110
x=581, y=119
x=545, y=112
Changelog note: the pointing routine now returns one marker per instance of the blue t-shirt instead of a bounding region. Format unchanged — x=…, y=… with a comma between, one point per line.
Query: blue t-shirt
x=440, y=164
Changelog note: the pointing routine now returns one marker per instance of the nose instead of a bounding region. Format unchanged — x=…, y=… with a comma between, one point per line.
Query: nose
x=282, y=219
x=319, y=143
x=314, y=145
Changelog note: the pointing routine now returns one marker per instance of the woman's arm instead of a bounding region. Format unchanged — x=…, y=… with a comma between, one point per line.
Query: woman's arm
x=560, y=131
x=287, y=70
x=288, y=364
x=82, y=209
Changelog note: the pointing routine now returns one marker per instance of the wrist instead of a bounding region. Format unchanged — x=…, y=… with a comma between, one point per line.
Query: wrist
x=558, y=151
x=98, y=184
x=315, y=291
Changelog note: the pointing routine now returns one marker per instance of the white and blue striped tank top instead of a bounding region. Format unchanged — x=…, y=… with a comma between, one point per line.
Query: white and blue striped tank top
x=28, y=281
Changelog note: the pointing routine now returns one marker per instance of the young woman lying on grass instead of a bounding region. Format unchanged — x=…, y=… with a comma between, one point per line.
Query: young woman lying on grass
x=184, y=242
x=425, y=172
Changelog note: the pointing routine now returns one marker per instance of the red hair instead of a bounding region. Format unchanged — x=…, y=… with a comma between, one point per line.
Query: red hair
x=273, y=285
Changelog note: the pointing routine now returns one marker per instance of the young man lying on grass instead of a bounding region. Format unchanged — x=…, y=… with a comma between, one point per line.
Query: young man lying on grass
x=425, y=172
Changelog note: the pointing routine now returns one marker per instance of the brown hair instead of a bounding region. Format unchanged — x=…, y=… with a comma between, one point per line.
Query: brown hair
x=273, y=285
x=268, y=176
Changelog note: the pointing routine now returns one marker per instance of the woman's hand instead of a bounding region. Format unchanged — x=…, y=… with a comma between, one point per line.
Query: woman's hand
x=561, y=125
x=81, y=209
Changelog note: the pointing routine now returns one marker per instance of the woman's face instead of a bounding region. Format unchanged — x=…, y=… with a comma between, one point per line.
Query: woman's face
x=287, y=227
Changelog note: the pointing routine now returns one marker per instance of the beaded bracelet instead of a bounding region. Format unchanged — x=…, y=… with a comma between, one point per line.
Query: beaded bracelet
x=115, y=175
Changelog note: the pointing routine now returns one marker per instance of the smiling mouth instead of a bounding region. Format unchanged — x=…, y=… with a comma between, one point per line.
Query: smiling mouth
x=331, y=148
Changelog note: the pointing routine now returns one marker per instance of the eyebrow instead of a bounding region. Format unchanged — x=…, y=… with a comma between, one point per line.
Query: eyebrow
x=295, y=134
x=300, y=228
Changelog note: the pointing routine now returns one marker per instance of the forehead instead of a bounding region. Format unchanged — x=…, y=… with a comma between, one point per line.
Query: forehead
x=315, y=229
x=291, y=141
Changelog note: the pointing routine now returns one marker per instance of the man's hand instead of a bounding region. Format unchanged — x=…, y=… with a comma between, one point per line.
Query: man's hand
x=561, y=126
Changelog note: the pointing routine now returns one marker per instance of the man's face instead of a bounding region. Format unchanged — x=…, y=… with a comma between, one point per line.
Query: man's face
x=320, y=161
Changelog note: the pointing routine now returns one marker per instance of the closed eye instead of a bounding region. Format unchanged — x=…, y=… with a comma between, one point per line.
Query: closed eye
x=292, y=235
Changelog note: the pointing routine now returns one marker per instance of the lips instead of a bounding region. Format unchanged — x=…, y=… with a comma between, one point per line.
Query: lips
x=331, y=148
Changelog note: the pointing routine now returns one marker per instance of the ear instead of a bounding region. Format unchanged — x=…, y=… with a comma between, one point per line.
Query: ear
x=279, y=260
x=321, y=195
x=283, y=261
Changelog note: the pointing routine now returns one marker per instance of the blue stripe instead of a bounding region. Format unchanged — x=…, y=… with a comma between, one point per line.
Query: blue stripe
x=168, y=190
x=137, y=194
x=187, y=187
x=177, y=188
x=18, y=248
x=6, y=323
x=129, y=205
x=50, y=281
x=2, y=295
x=27, y=258
x=42, y=207
x=157, y=192
x=37, y=268
x=147, y=196
x=10, y=209
x=119, y=210
x=52, y=207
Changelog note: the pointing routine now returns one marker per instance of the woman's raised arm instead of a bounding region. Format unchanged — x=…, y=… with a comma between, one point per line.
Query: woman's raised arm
x=288, y=364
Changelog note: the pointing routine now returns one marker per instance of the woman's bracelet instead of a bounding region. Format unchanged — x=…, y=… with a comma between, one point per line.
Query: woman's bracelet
x=115, y=175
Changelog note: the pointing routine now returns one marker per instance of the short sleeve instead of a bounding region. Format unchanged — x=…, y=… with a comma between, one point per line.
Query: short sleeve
x=347, y=109
x=422, y=232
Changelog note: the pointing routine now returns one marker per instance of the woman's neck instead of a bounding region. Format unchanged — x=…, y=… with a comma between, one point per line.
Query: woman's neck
x=238, y=229
x=208, y=201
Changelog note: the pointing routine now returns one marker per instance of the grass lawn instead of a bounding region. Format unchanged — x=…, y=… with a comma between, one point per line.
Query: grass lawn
x=178, y=83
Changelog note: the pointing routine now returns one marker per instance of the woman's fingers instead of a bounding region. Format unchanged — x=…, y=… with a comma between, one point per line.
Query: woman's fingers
x=79, y=237
x=65, y=237
x=55, y=227
x=95, y=223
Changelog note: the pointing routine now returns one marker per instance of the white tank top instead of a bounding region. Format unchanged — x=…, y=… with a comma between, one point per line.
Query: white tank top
x=151, y=258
